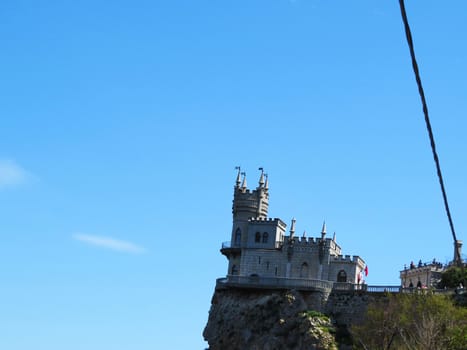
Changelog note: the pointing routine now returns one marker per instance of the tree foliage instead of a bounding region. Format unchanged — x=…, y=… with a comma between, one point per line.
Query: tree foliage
x=453, y=277
x=419, y=321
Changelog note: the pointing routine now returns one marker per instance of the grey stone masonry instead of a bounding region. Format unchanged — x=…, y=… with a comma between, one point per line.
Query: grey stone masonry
x=260, y=246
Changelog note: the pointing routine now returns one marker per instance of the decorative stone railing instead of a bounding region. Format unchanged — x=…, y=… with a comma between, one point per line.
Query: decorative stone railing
x=230, y=244
x=274, y=283
x=259, y=282
x=383, y=289
x=346, y=286
x=300, y=283
x=449, y=291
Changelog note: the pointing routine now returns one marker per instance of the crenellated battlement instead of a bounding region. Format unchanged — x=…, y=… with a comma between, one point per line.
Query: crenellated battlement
x=311, y=241
x=307, y=240
x=249, y=195
x=247, y=192
x=304, y=241
x=348, y=258
x=269, y=220
x=261, y=219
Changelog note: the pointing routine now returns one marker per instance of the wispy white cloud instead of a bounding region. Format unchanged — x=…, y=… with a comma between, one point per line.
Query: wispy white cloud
x=11, y=174
x=109, y=243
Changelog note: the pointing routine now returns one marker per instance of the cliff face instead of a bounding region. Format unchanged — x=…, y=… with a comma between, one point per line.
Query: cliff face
x=267, y=320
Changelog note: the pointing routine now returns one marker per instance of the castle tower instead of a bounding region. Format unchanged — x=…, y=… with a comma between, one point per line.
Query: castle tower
x=247, y=204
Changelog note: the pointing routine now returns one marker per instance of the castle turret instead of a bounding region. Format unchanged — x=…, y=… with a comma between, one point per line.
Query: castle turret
x=261, y=178
x=292, y=228
x=323, y=230
x=244, y=185
x=237, y=182
x=248, y=204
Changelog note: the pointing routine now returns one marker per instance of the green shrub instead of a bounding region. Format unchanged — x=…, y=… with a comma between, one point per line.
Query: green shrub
x=453, y=277
x=314, y=314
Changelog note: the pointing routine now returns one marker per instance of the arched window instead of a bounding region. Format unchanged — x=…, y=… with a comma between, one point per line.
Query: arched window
x=234, y=270
x=265, y=237
x=341, y=276
x=304, y=270
x=257, y=237
x=238, y=237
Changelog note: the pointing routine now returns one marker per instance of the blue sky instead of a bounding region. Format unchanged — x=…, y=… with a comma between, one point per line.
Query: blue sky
x=122, y=122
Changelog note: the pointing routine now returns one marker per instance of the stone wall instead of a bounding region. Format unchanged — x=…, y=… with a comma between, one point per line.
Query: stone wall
x=347, y=307
x=303, y=262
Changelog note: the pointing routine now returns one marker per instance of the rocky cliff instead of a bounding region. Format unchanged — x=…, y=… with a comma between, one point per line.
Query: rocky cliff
x=268, y=320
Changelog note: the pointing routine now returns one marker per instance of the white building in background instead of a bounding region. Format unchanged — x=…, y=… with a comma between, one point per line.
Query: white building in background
x=428, y=275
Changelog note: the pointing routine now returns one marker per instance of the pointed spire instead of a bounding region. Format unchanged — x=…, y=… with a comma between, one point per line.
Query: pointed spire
x=334, y=237
x=304, y=234
x=292, y=227
x=266, y=184
x=244, y=181
x=261, y=178
x=237, y=182
x=323, y=230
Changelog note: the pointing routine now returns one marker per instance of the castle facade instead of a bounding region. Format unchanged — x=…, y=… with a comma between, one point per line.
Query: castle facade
x=261, y=246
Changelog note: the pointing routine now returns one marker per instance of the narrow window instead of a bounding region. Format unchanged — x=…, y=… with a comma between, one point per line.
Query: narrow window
x=234, y=270
x=275, y=272
x=267, y=265
x=257, y=237
x=304, y=270
x=259, y=260
x=341, y=276
x=238, y=237
x=265, y=237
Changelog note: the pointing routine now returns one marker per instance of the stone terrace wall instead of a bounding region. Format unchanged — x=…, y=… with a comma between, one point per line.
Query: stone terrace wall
x=348, y=307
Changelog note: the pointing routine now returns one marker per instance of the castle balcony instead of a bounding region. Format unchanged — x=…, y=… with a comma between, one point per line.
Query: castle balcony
x=258, y=282
x=229, y=249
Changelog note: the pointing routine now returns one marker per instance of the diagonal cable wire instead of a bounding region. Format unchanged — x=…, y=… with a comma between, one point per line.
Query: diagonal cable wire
x=408, y=35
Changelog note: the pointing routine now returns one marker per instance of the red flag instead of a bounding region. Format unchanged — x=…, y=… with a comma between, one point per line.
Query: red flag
x=366, y=270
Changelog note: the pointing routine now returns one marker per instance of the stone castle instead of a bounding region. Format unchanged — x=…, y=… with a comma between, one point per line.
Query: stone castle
x=275, y=279
x=260, y=248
